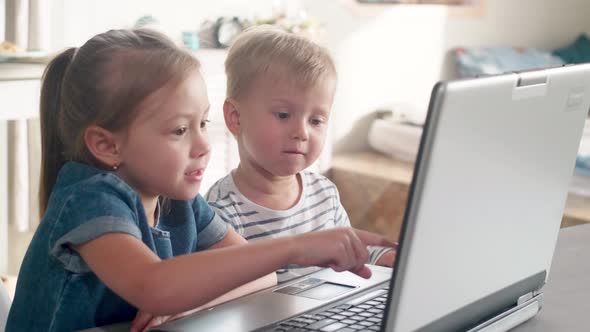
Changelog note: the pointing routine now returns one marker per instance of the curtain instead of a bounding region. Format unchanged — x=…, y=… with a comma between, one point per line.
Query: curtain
x=26, y=26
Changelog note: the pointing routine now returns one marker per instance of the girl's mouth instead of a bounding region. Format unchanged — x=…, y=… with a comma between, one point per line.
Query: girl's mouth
x=195, y=175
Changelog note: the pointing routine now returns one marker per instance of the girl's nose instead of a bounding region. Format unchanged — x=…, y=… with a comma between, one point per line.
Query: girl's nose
x=200, y=147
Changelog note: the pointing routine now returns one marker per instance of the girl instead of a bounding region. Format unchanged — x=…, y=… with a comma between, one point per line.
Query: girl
x=124, y=144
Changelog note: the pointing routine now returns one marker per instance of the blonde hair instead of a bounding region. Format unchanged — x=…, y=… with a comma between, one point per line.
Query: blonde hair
x=265, y=49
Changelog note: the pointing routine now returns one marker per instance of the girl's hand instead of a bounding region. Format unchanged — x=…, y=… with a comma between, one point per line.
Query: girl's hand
x=143, y=321
x=341, y=249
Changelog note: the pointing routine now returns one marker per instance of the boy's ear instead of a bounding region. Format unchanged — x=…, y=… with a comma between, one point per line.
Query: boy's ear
x=232, y=116
x=103, y=145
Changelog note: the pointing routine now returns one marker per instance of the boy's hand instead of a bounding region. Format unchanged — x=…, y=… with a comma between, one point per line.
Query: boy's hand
x=342, y=249
x=387, y=259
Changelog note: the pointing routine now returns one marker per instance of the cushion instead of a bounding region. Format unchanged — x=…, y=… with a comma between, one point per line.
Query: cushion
x=480, y=61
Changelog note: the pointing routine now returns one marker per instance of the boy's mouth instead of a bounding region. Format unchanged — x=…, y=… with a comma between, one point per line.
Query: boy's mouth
x=294, y=152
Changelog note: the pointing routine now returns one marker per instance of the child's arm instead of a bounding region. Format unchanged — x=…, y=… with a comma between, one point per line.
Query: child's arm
x=233, y=238
x=377, y=255
x=178, y=284
x=145, y=320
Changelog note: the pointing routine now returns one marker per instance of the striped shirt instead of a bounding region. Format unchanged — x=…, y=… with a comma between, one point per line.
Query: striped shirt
x=318, y=208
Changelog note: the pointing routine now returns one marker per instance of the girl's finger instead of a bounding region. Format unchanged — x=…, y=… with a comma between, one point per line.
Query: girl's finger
x=140, y=321
x=363, y=272
x=361, y=254
x=372, y=239
x=155, y=322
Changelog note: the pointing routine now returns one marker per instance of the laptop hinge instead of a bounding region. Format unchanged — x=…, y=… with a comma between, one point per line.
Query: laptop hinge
x=525, y=298
x=529, y=295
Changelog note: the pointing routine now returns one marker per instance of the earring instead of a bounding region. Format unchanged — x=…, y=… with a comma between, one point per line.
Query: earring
x=116, y=165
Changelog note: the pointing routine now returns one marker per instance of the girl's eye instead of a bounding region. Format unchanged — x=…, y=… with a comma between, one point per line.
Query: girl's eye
x=204, y=123
x=180, y=131
x=282, y=115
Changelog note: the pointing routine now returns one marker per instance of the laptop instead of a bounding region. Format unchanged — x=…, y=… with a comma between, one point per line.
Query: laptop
x=480, y=227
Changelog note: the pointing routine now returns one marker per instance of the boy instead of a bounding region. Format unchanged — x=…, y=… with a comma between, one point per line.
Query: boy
x=280, y=89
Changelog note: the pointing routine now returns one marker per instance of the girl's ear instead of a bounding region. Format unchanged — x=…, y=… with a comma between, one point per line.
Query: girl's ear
x=103, y=145
x=232, y=116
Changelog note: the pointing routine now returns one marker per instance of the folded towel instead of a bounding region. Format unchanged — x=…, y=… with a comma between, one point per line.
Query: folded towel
x=399, y=140
x=478, y=61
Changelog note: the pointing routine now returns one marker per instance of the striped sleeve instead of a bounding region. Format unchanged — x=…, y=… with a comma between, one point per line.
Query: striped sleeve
x=375, y=253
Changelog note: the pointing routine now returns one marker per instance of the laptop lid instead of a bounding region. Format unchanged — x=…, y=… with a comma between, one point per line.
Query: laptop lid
x=488, y=193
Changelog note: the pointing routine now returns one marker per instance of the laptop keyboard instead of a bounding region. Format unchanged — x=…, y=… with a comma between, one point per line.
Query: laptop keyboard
x=364, y=313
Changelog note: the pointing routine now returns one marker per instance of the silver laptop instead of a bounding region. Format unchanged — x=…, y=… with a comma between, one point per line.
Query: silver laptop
x=480, y=227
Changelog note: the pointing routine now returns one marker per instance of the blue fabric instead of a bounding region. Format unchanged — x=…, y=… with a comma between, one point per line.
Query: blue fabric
x=583, y=164
x=56, y=291
x=472, y=62
x=577, y=52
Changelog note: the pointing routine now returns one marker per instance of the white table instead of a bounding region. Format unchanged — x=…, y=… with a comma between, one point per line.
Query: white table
x=19, y=99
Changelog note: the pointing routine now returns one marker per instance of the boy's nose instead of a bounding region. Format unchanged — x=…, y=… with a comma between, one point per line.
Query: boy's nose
x=300, y=132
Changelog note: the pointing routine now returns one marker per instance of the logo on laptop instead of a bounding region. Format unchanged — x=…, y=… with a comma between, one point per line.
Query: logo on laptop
x=575, y=98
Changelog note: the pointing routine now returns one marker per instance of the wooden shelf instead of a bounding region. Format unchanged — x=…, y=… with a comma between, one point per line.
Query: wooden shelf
x=375, y=164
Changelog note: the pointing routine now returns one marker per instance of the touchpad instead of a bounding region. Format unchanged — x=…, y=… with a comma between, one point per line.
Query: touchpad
x=316, y=289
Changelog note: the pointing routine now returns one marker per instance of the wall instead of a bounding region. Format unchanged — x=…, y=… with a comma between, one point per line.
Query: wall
x=392, y=54
x=395, y=55
x=2, y=19
x=77, y=20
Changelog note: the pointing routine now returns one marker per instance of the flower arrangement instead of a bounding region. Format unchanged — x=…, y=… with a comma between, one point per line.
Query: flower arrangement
x=299, y=24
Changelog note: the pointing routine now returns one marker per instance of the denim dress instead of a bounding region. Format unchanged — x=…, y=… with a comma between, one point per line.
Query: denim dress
x=56, y=290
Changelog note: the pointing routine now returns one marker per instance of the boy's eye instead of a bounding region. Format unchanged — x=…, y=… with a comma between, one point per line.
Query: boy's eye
x=204, y=123
x=282, y=115
x=316, y=122
x=180, y=131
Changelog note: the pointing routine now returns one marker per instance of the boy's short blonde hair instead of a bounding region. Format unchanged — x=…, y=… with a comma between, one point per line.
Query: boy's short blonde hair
x=265, y=49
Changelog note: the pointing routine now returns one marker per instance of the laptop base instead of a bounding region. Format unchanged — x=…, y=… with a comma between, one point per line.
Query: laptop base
x=513, y=317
